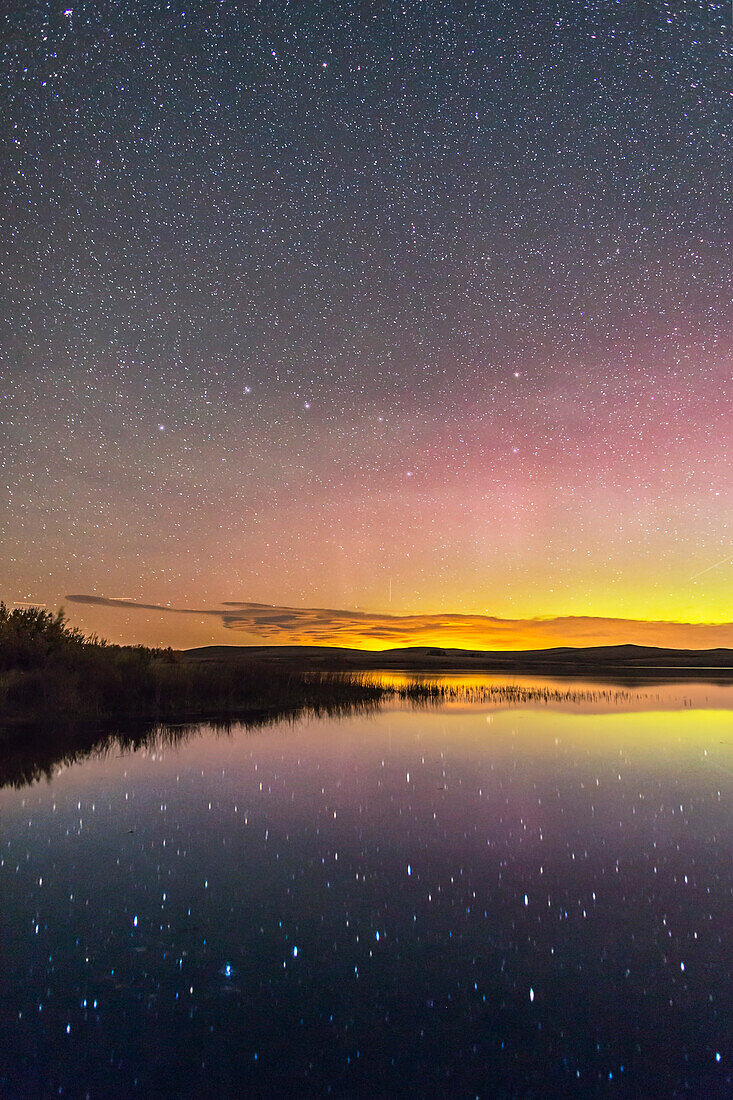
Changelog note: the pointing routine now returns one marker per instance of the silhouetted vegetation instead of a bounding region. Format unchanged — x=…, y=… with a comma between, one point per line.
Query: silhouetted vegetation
x=29, y=636
x=48, y=668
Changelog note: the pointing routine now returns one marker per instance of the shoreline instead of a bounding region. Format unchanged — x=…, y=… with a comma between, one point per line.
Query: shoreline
x=630, y=665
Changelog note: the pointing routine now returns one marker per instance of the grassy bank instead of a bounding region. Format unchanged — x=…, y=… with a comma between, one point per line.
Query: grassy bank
x=49, y=669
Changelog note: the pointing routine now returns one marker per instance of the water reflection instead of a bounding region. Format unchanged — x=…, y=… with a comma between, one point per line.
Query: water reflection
x=486, y=899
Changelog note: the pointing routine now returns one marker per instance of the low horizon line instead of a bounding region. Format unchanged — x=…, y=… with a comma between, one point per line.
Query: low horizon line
x=282, y=624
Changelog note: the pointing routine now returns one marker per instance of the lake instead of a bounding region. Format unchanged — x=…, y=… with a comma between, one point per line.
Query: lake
x=482, y=899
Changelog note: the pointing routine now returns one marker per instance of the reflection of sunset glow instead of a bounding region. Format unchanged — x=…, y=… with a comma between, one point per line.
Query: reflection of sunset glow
x=352, y=866
x=665, y=730
x=571, y=696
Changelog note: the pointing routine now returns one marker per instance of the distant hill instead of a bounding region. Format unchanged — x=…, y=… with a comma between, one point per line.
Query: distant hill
x=619, y=659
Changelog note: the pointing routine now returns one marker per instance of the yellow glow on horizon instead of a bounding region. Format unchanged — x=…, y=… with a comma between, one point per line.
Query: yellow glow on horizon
x=248, y=624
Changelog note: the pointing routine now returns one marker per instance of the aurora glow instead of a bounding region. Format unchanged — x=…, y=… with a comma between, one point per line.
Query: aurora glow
x=416, y=310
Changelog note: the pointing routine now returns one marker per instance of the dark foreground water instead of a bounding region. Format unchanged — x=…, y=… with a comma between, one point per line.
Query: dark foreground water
x=468, y=902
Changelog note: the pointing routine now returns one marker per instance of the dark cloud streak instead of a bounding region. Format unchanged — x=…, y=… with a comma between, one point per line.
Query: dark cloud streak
x=329, y=626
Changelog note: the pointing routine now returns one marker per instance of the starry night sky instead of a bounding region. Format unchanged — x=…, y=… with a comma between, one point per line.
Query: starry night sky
x=420, y=309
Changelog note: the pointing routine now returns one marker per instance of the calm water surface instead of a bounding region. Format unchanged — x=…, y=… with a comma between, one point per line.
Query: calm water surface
x=477, y=900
